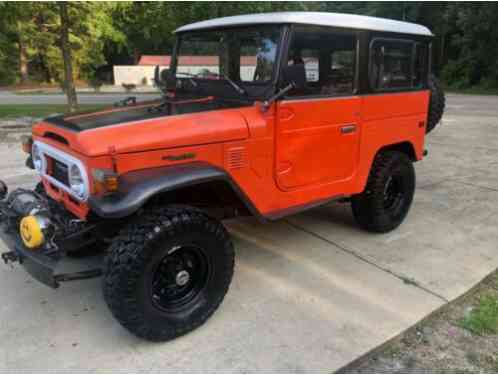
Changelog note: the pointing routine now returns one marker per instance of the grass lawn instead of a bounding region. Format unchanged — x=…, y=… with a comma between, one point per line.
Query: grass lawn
x=39, y=110
x=45, y=92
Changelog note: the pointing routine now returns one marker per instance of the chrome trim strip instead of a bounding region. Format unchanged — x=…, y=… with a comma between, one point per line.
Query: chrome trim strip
x=67, y=159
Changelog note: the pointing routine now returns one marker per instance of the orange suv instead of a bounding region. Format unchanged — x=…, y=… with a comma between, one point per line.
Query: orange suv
x=264, y=115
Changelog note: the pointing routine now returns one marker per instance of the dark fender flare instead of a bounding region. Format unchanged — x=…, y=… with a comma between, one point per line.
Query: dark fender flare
x=137, y=187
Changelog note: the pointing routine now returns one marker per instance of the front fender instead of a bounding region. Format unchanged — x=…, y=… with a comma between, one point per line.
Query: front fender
x=137, y=187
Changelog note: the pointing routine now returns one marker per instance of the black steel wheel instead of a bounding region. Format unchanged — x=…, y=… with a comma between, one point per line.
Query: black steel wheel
x=179, y=277
x=387, y=198
x=167, y=272
x=394, y=194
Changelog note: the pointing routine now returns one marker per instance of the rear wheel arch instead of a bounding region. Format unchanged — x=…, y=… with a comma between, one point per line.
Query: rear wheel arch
x=406, y=148
x=388, y=194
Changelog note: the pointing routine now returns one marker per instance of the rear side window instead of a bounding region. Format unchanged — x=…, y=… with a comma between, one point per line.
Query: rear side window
x=391, y=65
x=421, y=65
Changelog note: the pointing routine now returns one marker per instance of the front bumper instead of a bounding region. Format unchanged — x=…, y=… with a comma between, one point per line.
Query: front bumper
x=46, y=269
x=50, y=268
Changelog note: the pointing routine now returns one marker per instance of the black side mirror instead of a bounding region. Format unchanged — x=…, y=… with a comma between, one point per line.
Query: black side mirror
x=295, y=75
x=161, y=76
x=157, y=79
x=164, y=75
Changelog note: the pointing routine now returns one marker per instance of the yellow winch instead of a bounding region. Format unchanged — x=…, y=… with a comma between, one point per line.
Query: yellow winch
x=31, y=230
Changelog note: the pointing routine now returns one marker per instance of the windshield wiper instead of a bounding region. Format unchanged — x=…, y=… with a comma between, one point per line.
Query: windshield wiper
x=232, y=83
x=237, y=88
x=189, y=76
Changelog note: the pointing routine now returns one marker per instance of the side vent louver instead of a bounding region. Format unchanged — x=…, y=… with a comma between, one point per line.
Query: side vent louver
x=236, y=157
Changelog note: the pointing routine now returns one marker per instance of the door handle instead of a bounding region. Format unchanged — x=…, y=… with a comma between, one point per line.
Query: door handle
x=348, y=129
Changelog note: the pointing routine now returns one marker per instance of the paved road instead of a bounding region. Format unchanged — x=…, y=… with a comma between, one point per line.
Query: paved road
x=7, y=97
x=310, y=293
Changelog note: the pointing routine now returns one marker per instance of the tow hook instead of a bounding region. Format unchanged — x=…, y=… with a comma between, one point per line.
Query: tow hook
x=10, y=257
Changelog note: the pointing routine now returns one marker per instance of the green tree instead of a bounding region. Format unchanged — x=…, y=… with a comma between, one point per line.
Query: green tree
x=475, y=46
x=69, y=89
x=464, y=48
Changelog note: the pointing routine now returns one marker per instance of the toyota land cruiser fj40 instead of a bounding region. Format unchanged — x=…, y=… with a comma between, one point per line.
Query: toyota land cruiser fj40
x=281, y=113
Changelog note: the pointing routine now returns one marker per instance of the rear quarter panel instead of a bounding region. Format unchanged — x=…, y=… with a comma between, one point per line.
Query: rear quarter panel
x=388, y=119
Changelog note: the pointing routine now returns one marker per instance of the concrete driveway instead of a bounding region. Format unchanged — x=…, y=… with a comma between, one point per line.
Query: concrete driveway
x=310, y=293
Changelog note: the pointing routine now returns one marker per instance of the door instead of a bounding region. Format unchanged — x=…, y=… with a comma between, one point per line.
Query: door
x=318, y=127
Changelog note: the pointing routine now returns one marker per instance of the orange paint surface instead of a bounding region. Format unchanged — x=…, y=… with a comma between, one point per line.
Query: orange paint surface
x=296, y=153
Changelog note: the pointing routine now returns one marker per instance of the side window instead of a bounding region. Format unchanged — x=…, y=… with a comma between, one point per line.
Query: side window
x=308, y=57
x=390, y=65
x=342, y=70
x=329, y=60
x=421, y=66
x=258, y=51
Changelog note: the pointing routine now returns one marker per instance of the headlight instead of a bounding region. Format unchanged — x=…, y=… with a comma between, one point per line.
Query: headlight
x=76, y=181
x=37, y=157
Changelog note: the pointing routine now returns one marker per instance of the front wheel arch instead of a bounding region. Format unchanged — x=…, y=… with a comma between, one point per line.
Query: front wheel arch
x=138, y=188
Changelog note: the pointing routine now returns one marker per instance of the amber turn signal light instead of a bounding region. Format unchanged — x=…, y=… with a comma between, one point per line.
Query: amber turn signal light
x=26, y=143
x=105, y=180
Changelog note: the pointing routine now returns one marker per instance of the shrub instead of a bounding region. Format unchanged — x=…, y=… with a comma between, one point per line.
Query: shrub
x=95, y=84
x=129, y=87
x=456, y=75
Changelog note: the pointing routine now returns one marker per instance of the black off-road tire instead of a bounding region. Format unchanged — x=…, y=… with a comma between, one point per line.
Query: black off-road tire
x=376, y=209
x=436, y=104
x=139, y=252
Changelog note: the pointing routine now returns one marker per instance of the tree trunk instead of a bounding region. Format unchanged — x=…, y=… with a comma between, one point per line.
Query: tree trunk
x=23, y=61
x=72, y=101
x=136, y=56
x=44, y=68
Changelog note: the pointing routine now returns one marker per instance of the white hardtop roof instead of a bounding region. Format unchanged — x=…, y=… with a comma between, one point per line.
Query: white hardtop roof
x=342, y=20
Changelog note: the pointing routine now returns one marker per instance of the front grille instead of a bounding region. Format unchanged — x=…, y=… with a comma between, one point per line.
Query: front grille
x=60, y=171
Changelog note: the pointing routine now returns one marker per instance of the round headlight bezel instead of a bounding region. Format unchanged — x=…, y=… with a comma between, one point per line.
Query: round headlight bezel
x=38, y=159
x=77, y=181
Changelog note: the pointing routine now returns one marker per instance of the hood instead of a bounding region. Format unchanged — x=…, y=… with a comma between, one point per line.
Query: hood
x=138, y=128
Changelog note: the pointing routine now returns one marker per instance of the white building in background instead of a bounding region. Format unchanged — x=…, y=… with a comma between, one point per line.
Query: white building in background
x=143, y=72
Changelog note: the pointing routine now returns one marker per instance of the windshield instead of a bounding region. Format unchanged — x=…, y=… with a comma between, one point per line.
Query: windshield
x=242, y=57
